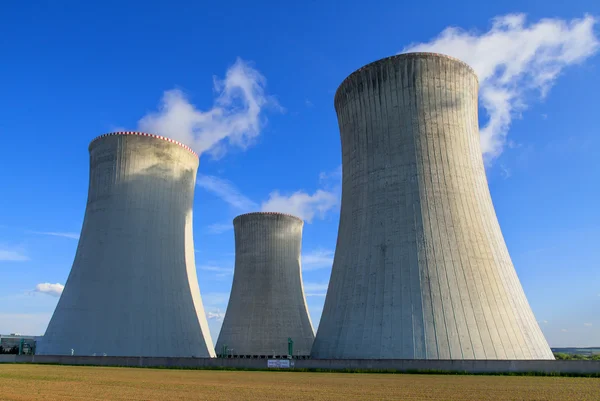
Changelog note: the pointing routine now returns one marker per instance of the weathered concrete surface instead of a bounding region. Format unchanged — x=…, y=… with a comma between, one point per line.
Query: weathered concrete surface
x=267, y=303
x=133, y=288
x=10, y=358
x=469, y=366
x=421, y=269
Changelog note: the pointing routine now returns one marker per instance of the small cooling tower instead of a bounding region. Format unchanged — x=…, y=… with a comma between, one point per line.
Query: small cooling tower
x=132, y=290
x=267, y=305
x=421, y=270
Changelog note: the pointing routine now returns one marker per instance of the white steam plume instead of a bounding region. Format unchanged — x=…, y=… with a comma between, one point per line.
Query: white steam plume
x=236, y=115
x=513, y=59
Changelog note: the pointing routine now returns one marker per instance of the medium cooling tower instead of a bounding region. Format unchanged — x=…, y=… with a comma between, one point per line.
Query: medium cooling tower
x=267, y=304
x=132, y=290
x=421, y=270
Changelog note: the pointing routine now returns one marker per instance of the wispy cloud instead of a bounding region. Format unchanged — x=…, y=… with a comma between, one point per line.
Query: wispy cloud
x=235, y=119
x=505, y=171
x=305, y=205
x=331, y=179
x=301, y=204
x=317, y=259
x=588, y=324
x=513, y=59
x=218, y=315
x=50, y=289
x=564, y=330
x=219, y=228
x=225, y=190
x=58, y=234
x=219, y=270
x=214, y=305
x=315, y=289
x=12, y=255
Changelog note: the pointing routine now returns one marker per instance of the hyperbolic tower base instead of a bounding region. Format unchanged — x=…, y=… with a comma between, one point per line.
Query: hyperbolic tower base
x=267, y=304
x=421, y=270
x=132, y=290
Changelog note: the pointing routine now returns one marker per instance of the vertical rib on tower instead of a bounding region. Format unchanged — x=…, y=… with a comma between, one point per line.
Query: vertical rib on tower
x=421, y=270
x=132, y=290
x=267, y=304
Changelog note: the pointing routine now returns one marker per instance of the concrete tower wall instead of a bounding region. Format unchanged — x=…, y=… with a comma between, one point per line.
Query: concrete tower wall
x=267, y=304
x=133, y=290
x=421, y=270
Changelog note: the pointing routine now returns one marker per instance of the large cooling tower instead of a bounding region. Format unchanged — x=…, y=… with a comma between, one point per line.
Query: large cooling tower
x=132, y=290
x=421, y=270
x=267, y=304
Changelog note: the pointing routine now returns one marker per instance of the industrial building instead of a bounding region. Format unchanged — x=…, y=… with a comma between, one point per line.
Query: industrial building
x=421, y=269
x=267, y=313
x=16, y=343
x=132, y=289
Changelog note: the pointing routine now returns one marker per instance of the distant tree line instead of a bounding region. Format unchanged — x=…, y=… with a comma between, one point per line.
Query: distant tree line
x=578, y=357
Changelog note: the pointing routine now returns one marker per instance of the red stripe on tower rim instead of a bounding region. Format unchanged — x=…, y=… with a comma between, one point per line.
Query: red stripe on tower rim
x=144, y=134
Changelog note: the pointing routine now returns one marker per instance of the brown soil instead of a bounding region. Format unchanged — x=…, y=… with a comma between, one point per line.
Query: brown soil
x=45, y=382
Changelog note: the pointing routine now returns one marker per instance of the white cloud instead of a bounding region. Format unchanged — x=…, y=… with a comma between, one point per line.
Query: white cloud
x=317, y=259
x=220, y=228
x=236, y=115
x=227, y=191
x=588, y=324
x=11, y=255
x=308, y=103
x=58, y=234
x=214, y=304
x=331, y=179
x=305, y=205
x=301, y=204
x=512, y=59
x=51, y=289
x=315, y=289
x=220, y=271
x=215, y=316
x=564, y=330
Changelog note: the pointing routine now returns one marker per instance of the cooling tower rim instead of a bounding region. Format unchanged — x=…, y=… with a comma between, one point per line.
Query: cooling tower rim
x=138, y=133
x=402, y=56
x=267, y=214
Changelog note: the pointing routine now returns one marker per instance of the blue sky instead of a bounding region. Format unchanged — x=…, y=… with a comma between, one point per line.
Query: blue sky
x=251, y=86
